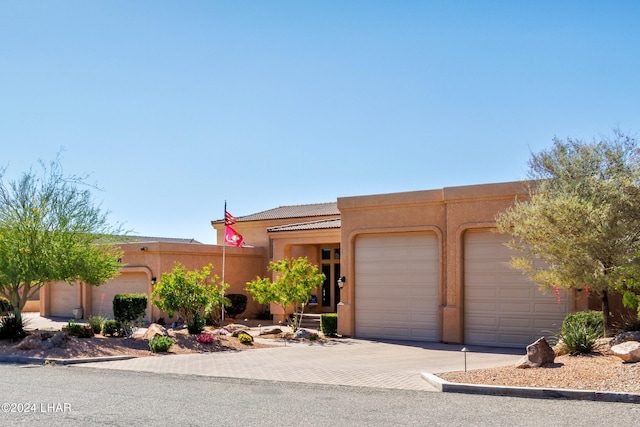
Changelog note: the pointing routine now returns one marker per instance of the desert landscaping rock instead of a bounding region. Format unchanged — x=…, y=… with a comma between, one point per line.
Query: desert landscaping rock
x=624, y=337
x=628, y=351
x=153, y=330
x=301, y=334
x=538, y=354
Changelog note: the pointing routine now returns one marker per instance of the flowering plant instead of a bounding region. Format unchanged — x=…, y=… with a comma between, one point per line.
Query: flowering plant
x=220, y=331
x=205, y=338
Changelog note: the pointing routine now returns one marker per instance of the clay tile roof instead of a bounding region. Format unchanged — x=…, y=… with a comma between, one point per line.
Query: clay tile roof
x=313, y=225
x=295, y=211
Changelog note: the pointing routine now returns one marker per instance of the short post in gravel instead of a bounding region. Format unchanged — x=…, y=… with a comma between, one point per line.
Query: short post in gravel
x=465, y=350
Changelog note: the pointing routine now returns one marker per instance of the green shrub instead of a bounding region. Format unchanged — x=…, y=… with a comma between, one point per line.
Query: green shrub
x=245, y=339
x=238, y=304
x=580, y=331
x=111, y=328
x=77, y=330
x=197, y=325
x=629, y=324
x=96, y=323
x=160, y=344
x=5, y=306
x=329, y=324
x=593, y=320
x=12, y=328
x=129, y=307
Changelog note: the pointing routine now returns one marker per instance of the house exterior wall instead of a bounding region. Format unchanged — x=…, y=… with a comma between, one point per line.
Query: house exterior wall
x=241, y=265
x=448, y=212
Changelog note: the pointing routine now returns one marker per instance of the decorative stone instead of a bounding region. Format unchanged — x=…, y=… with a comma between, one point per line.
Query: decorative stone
x=624, y=337
x=538, y=354
x=271, y=331
x=301, y=334
x=153, y=330
x=235, y=328
x=628, y=351
x=238, y=331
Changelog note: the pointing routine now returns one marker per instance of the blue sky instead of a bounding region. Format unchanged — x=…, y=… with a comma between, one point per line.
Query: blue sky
x=175, y=107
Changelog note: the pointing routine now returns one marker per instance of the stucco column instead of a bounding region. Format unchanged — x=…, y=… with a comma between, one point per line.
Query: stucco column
x=86, y=300
x=280, y=251
x=45, y=300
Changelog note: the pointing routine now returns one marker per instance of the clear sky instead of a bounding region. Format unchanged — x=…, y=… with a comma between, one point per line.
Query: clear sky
x=174, y=107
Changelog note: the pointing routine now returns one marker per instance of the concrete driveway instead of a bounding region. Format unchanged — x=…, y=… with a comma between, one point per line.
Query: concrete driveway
x=352, y=362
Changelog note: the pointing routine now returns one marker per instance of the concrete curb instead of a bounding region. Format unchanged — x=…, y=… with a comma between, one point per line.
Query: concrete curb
x=43, y=360
x=529, y=392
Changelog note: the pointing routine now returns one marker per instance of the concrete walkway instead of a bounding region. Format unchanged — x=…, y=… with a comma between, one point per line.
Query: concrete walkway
x=352, y=362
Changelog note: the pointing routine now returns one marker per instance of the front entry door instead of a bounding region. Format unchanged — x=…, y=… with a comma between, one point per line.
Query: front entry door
x=330, y=256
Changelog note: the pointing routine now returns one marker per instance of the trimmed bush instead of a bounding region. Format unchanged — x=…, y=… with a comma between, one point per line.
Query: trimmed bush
x=77, y=330
x=111, y=328
x=329, y=324
x=129, y=307
x=238, y=304
x=580, y=331
x=160, y=344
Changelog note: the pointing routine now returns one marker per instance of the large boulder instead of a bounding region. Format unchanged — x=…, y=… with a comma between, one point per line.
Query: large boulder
x=153, y=330
x=628, y=351
x=538, y=353
x=301, y=334
x=624, y=337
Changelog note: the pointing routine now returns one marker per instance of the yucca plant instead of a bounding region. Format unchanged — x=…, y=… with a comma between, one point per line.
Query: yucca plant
x=580, y=331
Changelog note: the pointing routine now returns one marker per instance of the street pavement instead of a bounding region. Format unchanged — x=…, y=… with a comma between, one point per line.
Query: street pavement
x=351, y=362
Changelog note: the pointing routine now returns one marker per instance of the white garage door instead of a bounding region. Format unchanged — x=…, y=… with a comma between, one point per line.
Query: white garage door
x=64, y=298
x=502, y=307
x=125, y=283
x=396, y=289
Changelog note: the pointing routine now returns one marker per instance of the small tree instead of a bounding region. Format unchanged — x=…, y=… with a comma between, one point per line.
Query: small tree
x=582, y=216
x=50, y=230
x=192, y=294
x=295, y=281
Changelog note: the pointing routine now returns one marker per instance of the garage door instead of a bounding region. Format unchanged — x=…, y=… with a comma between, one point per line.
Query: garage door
x=502, y=307
x=396, y=289
x=64, y=298
x=126, y=283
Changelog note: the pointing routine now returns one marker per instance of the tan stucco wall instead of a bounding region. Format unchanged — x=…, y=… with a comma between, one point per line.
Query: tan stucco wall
x=241, y=265
x=448, y=212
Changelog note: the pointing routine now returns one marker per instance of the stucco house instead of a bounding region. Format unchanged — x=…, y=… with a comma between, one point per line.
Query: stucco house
x=423, y=265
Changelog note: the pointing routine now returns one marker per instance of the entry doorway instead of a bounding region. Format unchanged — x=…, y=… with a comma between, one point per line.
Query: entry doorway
x=330, y=264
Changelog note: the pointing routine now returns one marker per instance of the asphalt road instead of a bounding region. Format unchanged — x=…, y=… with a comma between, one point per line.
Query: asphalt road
x=74, y=395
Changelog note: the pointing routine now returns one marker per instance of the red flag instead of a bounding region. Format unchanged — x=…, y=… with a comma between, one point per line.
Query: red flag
x=233, y=237
x=229, y=219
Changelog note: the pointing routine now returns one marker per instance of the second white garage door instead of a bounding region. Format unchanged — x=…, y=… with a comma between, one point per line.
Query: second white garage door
x=396, y=289
x=502, y=307
x=126, y=283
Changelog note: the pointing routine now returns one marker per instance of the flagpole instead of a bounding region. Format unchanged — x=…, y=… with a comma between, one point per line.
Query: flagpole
x=224, y=255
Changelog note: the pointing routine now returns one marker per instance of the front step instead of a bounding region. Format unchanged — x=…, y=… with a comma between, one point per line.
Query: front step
x=310, y=321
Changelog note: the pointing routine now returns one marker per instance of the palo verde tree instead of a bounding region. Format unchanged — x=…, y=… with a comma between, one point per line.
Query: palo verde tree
x=192, y=294
x=294, y=283
x=51, y=230
x=582, y=216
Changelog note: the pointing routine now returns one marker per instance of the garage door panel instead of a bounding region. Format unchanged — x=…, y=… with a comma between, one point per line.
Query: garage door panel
x=397, y=286
x=127, y=283
x=523, y=313
x=64, y=298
